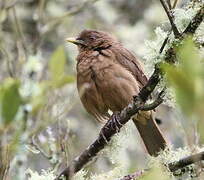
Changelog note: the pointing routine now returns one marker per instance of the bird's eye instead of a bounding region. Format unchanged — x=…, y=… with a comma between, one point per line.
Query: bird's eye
x=92, y=38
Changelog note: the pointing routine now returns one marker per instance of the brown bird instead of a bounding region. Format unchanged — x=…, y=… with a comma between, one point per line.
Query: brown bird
x=108, y=76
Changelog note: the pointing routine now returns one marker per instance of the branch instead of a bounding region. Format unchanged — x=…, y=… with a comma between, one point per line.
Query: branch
x=11, y=4
x=174, y=166
x=175, y=3
x=155, y=104
x=112, y=127
x=37, y=147
x=169, y=4
x=118, y=120
x=137, y=174
x=186, y=161
x=197, y=20
x=169, y=14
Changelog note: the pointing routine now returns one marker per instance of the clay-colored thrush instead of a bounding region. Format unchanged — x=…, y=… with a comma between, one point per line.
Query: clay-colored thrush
x=108, y=76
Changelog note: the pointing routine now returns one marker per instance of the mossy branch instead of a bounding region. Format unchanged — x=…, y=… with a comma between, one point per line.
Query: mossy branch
x=174, y=166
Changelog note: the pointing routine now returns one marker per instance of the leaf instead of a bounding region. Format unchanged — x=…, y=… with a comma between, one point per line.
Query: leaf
x=10, y=100
x=57, y=69
x=57, y=64
x=182, y=86
x=3, y=15
x=186, y=78
x=63, y=80
x=189, y=59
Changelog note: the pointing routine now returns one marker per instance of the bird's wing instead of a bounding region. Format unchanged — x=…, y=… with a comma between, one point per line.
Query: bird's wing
x=91, y=99
x=130, y=62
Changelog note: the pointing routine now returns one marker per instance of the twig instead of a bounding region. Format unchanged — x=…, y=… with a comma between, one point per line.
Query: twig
x=6, y=166
x=186, y=161
x=151, y=84
x=19, y=31
x=191, y=28
x=169, y=4
x=118, y=120
x=175, y=3
x=156, y=103
x=8, y=61
x=33, y=143
x=12, y=4
x=137, y=174
x=164, y=43
x=169, y=14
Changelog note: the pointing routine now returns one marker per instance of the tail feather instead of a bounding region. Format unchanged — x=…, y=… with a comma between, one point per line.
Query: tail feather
x=151, y=135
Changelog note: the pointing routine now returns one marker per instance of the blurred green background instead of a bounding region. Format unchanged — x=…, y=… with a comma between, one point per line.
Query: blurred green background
x=42, y=122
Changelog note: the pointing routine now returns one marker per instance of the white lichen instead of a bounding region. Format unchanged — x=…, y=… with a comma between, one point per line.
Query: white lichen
x=183, y=16
x=152, y=54
x=117, y=146
x=199, y=35
x=80, y=175
x=44, y=175
x=169, y=156
x=114, y=174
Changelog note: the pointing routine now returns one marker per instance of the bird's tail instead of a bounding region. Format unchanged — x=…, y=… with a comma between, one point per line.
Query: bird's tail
x=149, y=132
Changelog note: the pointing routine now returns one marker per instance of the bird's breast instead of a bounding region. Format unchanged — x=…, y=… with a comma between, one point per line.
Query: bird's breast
x=92, y=67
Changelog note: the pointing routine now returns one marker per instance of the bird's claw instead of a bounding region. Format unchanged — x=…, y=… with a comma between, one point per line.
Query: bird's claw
x=115, y=123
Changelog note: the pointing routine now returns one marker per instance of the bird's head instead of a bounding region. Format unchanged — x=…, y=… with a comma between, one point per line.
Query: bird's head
x=92, y=40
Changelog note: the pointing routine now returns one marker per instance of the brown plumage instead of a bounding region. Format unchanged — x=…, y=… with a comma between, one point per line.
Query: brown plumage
x=108, y=76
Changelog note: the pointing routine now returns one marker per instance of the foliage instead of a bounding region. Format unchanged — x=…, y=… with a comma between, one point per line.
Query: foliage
x=187, y=80
x=10, y=100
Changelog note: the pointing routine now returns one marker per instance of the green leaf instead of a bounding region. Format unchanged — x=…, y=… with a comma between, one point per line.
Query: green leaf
x=189, y=59
x=3, y=15
x=63, y=80
x=10, y=100
x=57, y=64
x=182, y=86
x=57, y=69
x=186, y=77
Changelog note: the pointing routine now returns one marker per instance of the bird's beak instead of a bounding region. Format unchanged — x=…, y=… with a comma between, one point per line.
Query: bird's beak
x=75, y=41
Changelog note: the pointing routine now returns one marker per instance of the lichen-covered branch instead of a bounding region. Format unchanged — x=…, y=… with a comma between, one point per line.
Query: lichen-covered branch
x=196, y=21
x=110, y=128
x=118, y=120
x=137, y=174
x=186, y=161
x=174, y=166
x=171, y=19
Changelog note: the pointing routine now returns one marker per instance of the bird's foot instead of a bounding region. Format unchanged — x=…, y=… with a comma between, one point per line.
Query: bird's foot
x=115, y=122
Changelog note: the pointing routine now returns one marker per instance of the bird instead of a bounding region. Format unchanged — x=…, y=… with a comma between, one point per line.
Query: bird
x=108, y=77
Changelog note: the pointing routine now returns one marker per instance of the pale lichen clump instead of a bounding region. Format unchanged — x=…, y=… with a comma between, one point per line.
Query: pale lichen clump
x=152, y=54
x=199, y=36
x=169, y=156
x=183, y=17
x=80, y=175
x=116, y=152
x=116, y=148
x=44, y=175
x=113, y=174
